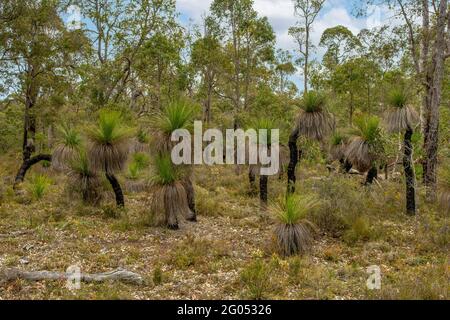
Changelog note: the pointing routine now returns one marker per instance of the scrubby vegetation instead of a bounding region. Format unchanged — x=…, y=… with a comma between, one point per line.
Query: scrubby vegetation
x=87, y=177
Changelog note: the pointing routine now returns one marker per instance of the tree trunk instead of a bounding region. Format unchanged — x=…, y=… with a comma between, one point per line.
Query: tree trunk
x=27, y=165
x=410, y=177
x=263, y=190
x=371, y=175
x=190, y=199
x=293, y=160
x=252, y=180
x=434, y=83
x=117, y=189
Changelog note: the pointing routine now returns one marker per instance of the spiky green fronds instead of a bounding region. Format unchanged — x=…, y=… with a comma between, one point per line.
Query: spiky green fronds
x=294, y=208
x=84, y=179
x=110, y=129
x=176, y=115
x=38, y=185
x=400, y=116
x=141, y=160
x=69, y=136
x=338, y=145
x=164, y=171
x=397, y=98
x=294, y=231
x=367, y=145
x=70, y=142
x=313, y=101
x=133, y=170
x=109, y=142
x=314, y=122
x=263, y=127
x=368, y=128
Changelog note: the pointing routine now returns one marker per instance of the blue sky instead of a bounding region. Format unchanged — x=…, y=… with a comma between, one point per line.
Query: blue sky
x=281, y=16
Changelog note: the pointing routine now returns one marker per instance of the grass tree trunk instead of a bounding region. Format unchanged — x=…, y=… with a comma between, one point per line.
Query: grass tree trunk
x=117, y=189
x=263, y=179
x=189, y=188
x=27, y=164
x=371, y=175
x=410, y=177
x=252, y=180
x=293, y=160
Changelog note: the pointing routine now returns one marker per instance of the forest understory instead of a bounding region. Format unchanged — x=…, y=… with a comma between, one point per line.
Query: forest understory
x=228, y=253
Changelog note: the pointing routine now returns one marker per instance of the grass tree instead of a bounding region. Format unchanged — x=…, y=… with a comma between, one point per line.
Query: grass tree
x=294, y=232
x=402, y=118
x=83, y=178
x=67, y=148
x=169, y=194
x=366, y=147
x=313, y=122
x=338, y=146
x=108, y=149
x=176, y=115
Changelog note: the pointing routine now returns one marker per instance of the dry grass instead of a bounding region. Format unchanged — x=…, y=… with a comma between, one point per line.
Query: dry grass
x=228, y=253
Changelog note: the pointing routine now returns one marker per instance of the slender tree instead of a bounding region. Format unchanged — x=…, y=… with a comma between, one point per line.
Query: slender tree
x=307, y=12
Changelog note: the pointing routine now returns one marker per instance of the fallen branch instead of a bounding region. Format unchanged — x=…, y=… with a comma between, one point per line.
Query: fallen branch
x=15, y=233
x=115, y=275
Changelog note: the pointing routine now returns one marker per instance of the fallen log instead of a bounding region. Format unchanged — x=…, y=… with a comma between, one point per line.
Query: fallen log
x=15, y=233
x=115, y=275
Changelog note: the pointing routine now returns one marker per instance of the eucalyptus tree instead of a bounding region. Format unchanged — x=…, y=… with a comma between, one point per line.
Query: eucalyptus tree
x=207, y=56
x=248, y=41
x=340, y=43
x=402, y=118
x=306, y=11
x=427, y=26
x=38, y=55
x=119, y=30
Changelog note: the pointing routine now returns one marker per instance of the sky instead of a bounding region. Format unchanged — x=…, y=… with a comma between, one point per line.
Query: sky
x=281, y=16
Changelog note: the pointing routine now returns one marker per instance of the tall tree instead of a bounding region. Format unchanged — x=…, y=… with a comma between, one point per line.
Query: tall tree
x=38, y=56
x=306, y=11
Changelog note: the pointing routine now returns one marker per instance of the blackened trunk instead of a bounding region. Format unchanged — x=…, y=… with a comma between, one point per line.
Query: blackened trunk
x=293, y=160
x=27, y=164
x=346, y=166
x=410, y=177
x=371, y=175
x=263, y=190
x=252, y=180
x=117, y=189
x=189, y=188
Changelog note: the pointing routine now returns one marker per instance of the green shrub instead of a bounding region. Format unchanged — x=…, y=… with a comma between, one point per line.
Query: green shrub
x=39, y=185
x=256, y=280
